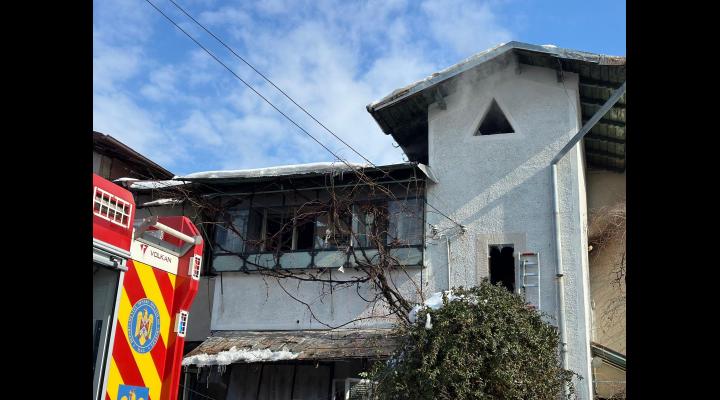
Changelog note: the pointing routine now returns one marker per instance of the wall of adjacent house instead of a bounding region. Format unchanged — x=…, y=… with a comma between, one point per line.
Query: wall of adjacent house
x=609, y=381
x=500, y=188
x=200, y=310
x=606, y=191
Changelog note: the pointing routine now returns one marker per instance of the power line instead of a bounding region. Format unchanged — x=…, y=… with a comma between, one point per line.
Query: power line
x=247, y=84
x=271, y=82
x=273, y=105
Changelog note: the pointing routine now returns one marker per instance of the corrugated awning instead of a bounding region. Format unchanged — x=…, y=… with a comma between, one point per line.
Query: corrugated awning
x=257, y=346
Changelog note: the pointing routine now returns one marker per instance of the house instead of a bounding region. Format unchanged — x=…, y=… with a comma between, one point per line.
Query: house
x=511, y=150
x=301, y=220
x=113, y=159
x=505, y=118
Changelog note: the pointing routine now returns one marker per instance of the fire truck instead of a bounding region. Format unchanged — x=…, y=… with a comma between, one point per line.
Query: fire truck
x=145, y=277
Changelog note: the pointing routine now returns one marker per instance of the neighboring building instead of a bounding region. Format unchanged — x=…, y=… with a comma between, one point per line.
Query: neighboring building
x=606, y=233
x=251, y=311
x=485, y=138
x=112, y=160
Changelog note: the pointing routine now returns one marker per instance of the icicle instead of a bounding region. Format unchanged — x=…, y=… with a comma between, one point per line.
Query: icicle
x=428, y=321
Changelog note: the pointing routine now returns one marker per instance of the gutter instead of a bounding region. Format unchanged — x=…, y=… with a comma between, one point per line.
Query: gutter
x=609, y=355
x=559, y=272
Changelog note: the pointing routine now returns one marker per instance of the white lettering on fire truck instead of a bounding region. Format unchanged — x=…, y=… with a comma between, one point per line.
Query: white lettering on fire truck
x=153, y=256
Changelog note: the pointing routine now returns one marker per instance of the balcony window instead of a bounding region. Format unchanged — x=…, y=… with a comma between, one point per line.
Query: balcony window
x=405, y=222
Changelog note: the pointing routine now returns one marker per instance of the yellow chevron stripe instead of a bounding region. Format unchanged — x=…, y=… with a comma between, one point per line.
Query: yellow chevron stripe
x=114, y=380
x=172, y=279
x=152, y=292
x=144, y=361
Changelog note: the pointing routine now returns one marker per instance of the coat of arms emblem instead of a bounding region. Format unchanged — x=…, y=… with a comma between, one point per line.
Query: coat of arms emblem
x=144, y=326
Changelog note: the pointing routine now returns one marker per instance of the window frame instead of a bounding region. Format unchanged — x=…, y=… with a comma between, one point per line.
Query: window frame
x=354, y=227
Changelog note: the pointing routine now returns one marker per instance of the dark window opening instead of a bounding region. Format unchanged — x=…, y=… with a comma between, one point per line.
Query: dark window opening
x=494, y=122
x=502, y=266
x=305, y=227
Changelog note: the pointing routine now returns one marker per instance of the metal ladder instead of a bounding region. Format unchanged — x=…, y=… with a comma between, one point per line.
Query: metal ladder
x=530, y=277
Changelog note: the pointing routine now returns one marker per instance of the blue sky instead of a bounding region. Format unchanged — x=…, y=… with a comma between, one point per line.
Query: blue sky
x=159, y=93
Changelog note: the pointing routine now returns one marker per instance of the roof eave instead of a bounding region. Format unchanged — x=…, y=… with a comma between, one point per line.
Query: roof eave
x=477, y=59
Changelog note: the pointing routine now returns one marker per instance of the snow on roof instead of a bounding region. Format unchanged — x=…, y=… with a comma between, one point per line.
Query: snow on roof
x=487, y=55
x=235, y=355
x=161, y=202
x=140, y=185
x=407, y=88
x=282, y=170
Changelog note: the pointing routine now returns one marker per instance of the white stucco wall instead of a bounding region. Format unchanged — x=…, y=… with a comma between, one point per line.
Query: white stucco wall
x=500, y=188
x=254, y=302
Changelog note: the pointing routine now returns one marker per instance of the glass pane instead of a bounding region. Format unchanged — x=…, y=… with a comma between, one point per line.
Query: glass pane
x=405, y=222
x=227, y=237
x=371, y=224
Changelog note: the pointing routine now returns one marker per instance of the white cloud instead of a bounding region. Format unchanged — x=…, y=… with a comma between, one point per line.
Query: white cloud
x=332, y=57
x=469, y=27
x=162, y=84
x=118, y=116
x=198, y=127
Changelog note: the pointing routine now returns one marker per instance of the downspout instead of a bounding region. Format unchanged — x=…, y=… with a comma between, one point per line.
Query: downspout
x=559, y=270
x=559, y=273
x=447, y=241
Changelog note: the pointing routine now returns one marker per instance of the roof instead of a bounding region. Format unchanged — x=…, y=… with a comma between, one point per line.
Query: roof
x=318, y=168
x=108, y=145
x=297, y=345
x=403, y=113
x=279, y=174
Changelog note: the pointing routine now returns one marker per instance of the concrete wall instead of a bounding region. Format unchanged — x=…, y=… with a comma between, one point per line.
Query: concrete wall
x=200, y=311
x=606, y=189
x=609, y=381
x=500, y=188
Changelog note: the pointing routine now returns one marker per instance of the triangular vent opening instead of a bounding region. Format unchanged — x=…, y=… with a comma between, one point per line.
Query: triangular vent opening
x=494, y=122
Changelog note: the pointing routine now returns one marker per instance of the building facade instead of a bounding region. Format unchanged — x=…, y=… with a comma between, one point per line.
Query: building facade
x=499, y=186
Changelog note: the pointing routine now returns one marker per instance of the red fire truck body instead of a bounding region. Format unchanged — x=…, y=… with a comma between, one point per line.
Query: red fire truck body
x=145, y=277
